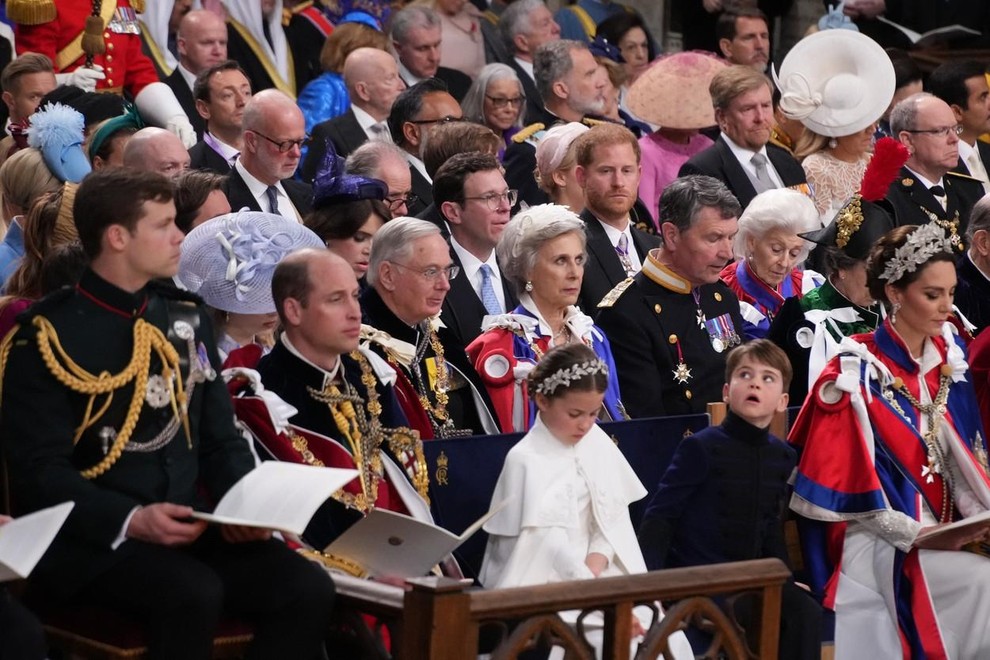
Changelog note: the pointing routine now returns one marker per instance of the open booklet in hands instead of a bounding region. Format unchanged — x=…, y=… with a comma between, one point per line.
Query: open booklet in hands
x=24, y=540
x=279, y=496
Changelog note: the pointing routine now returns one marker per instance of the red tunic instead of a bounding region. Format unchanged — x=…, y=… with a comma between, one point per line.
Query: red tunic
x=126, y=67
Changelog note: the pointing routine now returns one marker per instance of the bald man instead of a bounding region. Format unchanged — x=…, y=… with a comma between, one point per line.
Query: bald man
x=156, y=150
x=202, y=42
x=261, y=180
x=373, y=83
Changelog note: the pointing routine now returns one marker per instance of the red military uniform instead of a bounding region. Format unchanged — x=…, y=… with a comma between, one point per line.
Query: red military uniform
x=125, y=66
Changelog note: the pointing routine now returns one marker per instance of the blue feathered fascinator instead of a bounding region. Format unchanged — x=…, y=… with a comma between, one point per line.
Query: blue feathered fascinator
x=332, y=185
x=57, y=132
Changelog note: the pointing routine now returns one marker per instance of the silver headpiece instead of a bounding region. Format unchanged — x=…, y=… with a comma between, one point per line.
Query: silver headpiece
x=924, y=242
x=565, y=376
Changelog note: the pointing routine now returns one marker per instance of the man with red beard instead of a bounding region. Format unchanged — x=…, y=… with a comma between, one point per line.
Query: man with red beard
x=608, y=170
x=741, y=157
x=672, y=325
x=927, y=189
x=261, y=178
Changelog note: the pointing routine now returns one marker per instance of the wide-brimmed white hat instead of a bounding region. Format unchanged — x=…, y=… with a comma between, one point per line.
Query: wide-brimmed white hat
x=835, y=82
x=229, y=260
x=673, y=92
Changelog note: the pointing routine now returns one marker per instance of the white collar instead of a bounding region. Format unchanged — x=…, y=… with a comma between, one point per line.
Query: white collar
x=257, y=188
x=187, y=75
x=418, y=164
x=742, y=154
x=968, y=256
x=965, y=149
x=614, y=234
x=925, y=182
x=227, y=152
x=328, y=376
x=470, y=264
x=408, y=76
x=364, y=119
x=526, y=66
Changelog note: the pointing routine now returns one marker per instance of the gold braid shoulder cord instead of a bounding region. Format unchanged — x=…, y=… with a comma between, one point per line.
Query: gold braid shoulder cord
x=364, y=435
x=147, y=339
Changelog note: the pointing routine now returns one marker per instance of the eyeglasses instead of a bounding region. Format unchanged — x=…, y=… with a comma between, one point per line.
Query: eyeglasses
x=939, y=132
x=494, y=200
x=501, y=101
x=395, y=202
x=442, y=120
x=285, y=145
x=433, y=273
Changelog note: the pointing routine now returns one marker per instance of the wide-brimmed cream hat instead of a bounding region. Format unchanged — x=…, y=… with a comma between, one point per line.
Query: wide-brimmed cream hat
x=835, y=82
x=673, y=92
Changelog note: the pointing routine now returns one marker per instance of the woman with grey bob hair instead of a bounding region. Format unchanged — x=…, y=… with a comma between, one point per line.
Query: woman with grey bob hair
x=542, y=253
x=496, y=100
x=768, y=248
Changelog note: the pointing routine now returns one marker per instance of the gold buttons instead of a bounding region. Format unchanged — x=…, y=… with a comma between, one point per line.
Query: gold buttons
x=109, y=58
x=672, y=339
x=718, y=296
x=109, y=82
x=687, y=393
x=657, y=308
x=110, y=46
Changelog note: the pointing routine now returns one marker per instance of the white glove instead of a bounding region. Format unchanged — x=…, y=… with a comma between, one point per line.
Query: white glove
x=158, y=106
x=84, y=78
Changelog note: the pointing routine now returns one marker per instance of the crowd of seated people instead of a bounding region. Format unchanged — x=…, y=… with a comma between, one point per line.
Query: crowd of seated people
x=406, y=224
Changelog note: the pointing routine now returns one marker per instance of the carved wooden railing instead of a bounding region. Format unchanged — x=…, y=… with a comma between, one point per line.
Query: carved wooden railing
x=443, y=619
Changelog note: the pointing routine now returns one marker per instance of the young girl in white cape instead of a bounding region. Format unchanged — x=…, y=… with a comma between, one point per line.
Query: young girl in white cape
x=569, y=489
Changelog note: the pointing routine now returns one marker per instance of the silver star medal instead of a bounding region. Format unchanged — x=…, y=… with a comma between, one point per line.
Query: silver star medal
x=682, y=374
x=701, y=319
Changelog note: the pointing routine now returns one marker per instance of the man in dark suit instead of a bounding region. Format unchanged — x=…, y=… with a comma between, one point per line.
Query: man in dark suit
x=222, y=91
x=261, y=179
x=416, y=111
x=140, y=466
x=386, y=162
x=608, y=171
x=963, y=85
x=526, y=25
x=202, y=42
x=741, y=156
x=373, y=84
x=566, y=75
x=416, y=36
x=672, y=325
x=927, y=189
x=472, y=196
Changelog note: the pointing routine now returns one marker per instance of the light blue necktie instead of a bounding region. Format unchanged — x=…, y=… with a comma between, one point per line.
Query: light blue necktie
x=488, y=297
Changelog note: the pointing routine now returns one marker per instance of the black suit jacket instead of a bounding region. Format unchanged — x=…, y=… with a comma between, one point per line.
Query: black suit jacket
x=603, y=270
x=463, y=310
x=972, y=293
x=422, y=189
x=300, y=194
x=520, y=163
x=184, y=96
x=458, y=82
x=534, y=102
x=203, y=157
x=913, y=203
x=344, y=132
x=719, y=161
x=432, y=214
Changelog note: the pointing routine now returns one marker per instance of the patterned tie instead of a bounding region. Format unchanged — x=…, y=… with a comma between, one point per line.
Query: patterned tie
x=379, y=131
x=272, y=194
x=762, y=175
x=488, y=297
x=622, y=249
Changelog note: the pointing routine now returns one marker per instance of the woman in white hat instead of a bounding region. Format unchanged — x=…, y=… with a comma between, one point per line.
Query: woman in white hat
x=555, y=165
x=838, y=83
x=229, y=261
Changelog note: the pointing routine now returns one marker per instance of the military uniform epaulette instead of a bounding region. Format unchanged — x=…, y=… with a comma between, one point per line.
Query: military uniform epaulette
x=591, y=122
x=288, y=13
x=527, y=132
x=960, y=175
x=612, y=296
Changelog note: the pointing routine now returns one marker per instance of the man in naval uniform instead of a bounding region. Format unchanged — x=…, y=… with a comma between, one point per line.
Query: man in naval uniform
x=119, y=66
x=927, y=190
x=672, y=324
x=143, y=444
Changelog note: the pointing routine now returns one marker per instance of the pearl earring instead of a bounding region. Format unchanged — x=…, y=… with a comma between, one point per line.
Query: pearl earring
x=529, y=286
x=893, y=313
x=833, y=143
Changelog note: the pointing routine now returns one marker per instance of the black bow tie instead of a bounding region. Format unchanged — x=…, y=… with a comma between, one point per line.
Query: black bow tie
x=938, y=191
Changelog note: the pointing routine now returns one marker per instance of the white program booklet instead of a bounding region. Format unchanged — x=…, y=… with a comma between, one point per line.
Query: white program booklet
x=277, y=495
x=393, y=544
x=24, y=540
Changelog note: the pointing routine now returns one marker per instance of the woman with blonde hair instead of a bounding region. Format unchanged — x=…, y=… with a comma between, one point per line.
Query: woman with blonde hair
x=556, y=161
x=24, y=177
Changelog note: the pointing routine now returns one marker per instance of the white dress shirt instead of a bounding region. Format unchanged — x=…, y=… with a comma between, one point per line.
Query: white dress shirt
x=745, y=158
x=366, y=121
x=258, y=191
x=613, y=237
x=471, y=266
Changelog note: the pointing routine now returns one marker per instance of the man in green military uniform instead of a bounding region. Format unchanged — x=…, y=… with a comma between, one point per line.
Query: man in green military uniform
x=111, y=399
x=672, y=324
